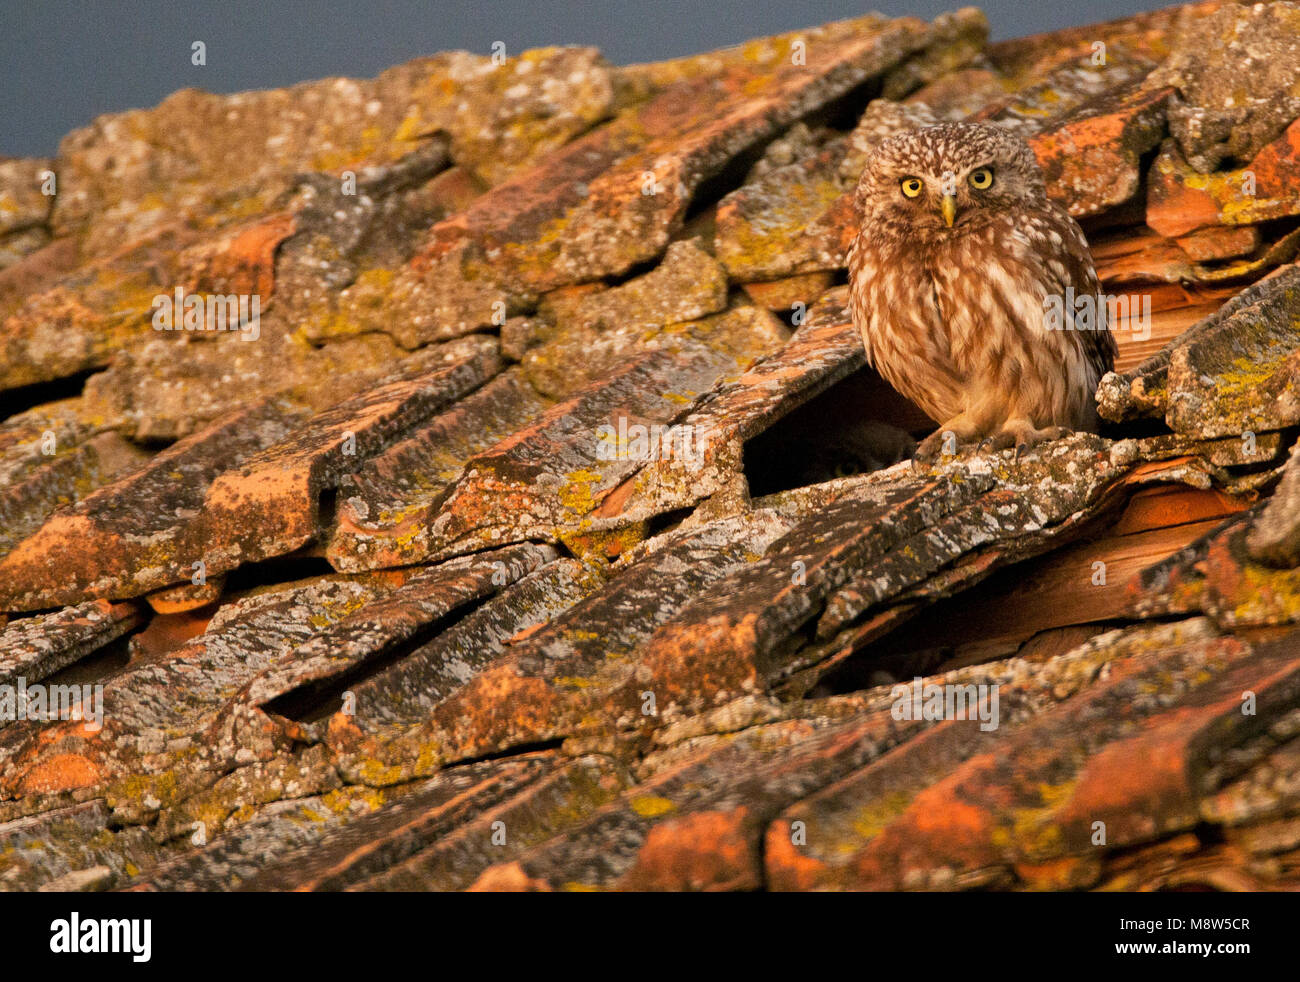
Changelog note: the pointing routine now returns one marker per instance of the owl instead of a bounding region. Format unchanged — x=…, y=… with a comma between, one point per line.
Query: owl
x=975, y=295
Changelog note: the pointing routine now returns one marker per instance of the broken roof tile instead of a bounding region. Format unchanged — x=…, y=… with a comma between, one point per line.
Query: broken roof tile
x=100, y=543
x=1217, y=576
x=159, y=741
x=1090, y=159
x=1181, y=200
x=264, y=462
x=389, y=502
x=581, y=656
x=546, y=480
x=404, y=695
x=824, y=349
x=424, y=599
x=1237, y=79
x=35, y=647
x=1225, y=375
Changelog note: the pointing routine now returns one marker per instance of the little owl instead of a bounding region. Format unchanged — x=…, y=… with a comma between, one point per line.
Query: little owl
x=958, y=260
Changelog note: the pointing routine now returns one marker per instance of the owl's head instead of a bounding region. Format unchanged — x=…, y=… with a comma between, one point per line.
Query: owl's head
x=948, y=179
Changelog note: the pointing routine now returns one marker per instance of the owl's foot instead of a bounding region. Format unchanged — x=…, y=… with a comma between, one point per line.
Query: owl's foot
x=939, y=444
x=1023, y=435
x=930, y=449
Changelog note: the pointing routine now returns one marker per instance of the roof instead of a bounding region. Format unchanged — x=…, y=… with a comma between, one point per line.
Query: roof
x=549, y=531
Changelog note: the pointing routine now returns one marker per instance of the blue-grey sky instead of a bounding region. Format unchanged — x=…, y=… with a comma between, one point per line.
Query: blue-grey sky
x=62, y=63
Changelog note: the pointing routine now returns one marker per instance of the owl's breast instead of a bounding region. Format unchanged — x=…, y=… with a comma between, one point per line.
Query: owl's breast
x=896, y=304
x=991, y=289
x=989, y=300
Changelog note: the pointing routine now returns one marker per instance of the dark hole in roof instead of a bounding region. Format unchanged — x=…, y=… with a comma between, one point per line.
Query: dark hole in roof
x=856, y=426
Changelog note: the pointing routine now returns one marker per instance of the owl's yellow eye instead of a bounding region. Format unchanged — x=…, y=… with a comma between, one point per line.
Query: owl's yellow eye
x=981, y=179
x=911, y=186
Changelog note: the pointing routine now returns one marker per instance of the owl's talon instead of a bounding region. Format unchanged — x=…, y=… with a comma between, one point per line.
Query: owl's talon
x=929, y=449
x=996, y=442
x=1026, y=437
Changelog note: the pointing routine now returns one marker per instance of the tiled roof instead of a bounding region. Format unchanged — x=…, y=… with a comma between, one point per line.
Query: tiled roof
x=552, y=532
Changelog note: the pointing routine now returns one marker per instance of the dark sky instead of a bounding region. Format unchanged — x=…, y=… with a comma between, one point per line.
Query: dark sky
x=63, y=63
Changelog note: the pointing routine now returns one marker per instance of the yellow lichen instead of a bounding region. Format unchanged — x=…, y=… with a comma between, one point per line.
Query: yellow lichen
x=651, y=806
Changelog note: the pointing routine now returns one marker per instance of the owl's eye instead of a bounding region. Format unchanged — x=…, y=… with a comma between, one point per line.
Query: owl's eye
x=981, y=179
x=911, y=186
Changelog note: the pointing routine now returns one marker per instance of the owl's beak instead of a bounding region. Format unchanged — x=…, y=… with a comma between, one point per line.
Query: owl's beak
x=949, y=208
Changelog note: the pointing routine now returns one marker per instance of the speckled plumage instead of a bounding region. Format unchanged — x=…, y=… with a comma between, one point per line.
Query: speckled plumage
x=953, y=317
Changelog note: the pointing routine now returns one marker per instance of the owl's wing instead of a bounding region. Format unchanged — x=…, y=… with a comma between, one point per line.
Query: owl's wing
x=1072, y=266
